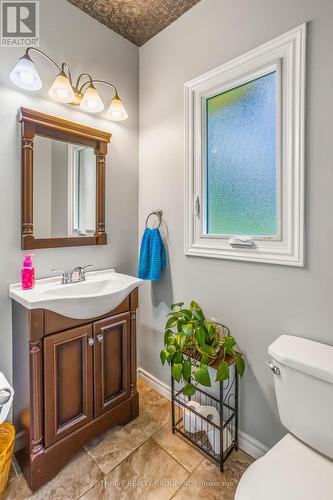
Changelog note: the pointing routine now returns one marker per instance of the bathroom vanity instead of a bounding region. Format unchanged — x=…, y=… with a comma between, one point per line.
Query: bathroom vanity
x=74, y=340
x=74, y=374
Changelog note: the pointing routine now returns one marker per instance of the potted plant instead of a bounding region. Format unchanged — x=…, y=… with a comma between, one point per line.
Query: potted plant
x=192, y=343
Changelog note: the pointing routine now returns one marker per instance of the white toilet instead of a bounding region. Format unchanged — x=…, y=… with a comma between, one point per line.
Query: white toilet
x=300, y=466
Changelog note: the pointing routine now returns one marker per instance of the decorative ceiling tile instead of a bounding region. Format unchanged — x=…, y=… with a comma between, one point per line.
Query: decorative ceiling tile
x=136, y=20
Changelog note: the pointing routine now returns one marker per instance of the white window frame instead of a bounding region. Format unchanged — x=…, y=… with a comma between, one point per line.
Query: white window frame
x=73, y=151
x=285, y=55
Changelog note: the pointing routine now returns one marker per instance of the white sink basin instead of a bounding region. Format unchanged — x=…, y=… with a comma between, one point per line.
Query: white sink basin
x=100, y=293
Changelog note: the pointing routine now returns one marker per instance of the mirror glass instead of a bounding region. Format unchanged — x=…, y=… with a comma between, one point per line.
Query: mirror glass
x=64, y=189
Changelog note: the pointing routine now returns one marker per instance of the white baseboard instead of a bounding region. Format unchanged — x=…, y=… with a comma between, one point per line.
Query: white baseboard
x=155, y=383
x=251, y=445
x=245, y=442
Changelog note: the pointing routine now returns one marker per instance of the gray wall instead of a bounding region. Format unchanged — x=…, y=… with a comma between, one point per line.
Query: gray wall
x=259, y=302
x=68, y=34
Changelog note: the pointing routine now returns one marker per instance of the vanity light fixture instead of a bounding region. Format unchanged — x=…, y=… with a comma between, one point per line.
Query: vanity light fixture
x=25, y=75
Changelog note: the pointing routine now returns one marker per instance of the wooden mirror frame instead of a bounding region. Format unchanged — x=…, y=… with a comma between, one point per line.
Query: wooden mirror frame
x=35, y=123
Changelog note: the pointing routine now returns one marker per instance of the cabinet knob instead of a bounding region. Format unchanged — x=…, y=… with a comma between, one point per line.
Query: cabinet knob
x=91, y=341
x=100, y=337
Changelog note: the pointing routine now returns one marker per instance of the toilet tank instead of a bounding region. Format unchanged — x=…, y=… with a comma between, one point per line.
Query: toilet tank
x=304, y=389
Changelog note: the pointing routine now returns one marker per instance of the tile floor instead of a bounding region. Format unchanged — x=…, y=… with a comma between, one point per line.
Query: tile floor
x=142, y=460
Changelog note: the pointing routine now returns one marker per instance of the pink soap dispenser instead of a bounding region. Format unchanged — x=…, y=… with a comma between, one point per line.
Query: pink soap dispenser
x=28, y=273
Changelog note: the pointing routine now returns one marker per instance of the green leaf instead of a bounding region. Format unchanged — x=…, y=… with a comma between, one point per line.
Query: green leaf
x=213, y=333
x=222, y=372
x=171, y=348
x=208, y=349
x=167, y=335
x=187, y=329
x=194, y=305
x=229, y=342
x=163, y=356
x=170, y=323
x=200, y=335
x=180, y=339
x=210, y=329
x=208, y=325
x=202, y=376
x=240, y=365
x=170, y=341
x=198, y=314
x=180, y=324
x=204, y=359
x=170, y=357
x=186, y=370
x=175, y=314
x=176, y=371
x=178, y=304
x=177, y=357
x=189, y=390
x=186, y=313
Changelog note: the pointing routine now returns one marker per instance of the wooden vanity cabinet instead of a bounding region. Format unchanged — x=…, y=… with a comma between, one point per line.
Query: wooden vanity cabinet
x=73, y=379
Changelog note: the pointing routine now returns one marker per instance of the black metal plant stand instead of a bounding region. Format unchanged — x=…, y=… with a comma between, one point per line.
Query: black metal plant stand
x=216, y=437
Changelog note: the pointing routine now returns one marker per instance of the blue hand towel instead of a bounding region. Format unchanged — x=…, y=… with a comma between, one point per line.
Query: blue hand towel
x=152, y=255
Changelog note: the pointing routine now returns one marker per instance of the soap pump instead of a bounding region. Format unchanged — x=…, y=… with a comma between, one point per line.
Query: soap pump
x=28, y=273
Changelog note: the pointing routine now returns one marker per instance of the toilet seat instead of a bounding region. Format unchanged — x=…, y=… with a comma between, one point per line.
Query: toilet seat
x=291, y=470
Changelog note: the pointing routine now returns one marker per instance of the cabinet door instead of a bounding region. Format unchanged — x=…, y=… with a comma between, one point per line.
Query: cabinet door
x=111, y=362
x=68, y=372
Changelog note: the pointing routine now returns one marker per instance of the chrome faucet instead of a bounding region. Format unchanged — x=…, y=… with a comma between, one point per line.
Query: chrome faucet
x=75, y=276
x=79, y=273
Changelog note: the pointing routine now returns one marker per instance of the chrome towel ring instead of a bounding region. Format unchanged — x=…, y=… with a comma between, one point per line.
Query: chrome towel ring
x=158, y=214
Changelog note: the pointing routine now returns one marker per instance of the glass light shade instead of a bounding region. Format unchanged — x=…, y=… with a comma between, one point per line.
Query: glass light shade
x=91, y=100
x=24, y=74
x=61, y=89
x=117, y=111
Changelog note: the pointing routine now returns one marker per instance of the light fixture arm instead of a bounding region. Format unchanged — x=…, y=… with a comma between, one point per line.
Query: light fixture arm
x=44, y=55
x=79, y=78
x=64, y=68
x=99, y=82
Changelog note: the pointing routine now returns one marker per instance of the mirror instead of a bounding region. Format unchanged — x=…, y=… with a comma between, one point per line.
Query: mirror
x=63, y=182
x=64, y=189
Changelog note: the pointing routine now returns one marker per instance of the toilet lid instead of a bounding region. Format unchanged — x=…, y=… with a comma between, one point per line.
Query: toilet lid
x=289, y=471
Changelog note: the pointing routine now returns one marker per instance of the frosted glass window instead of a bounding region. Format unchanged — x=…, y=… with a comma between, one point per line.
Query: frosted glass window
x=241, y=164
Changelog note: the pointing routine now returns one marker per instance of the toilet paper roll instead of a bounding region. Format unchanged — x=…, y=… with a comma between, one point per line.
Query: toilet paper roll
x=214, y=439
x=213, y=434
x=191, y=422
x=212, y=414
x=5, y=387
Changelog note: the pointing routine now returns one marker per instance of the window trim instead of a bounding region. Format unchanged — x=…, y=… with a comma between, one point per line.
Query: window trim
x=285, y=55
x=73, y=154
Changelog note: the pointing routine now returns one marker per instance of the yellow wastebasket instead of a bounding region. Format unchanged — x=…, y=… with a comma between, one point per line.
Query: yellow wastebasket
x=7, y=441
